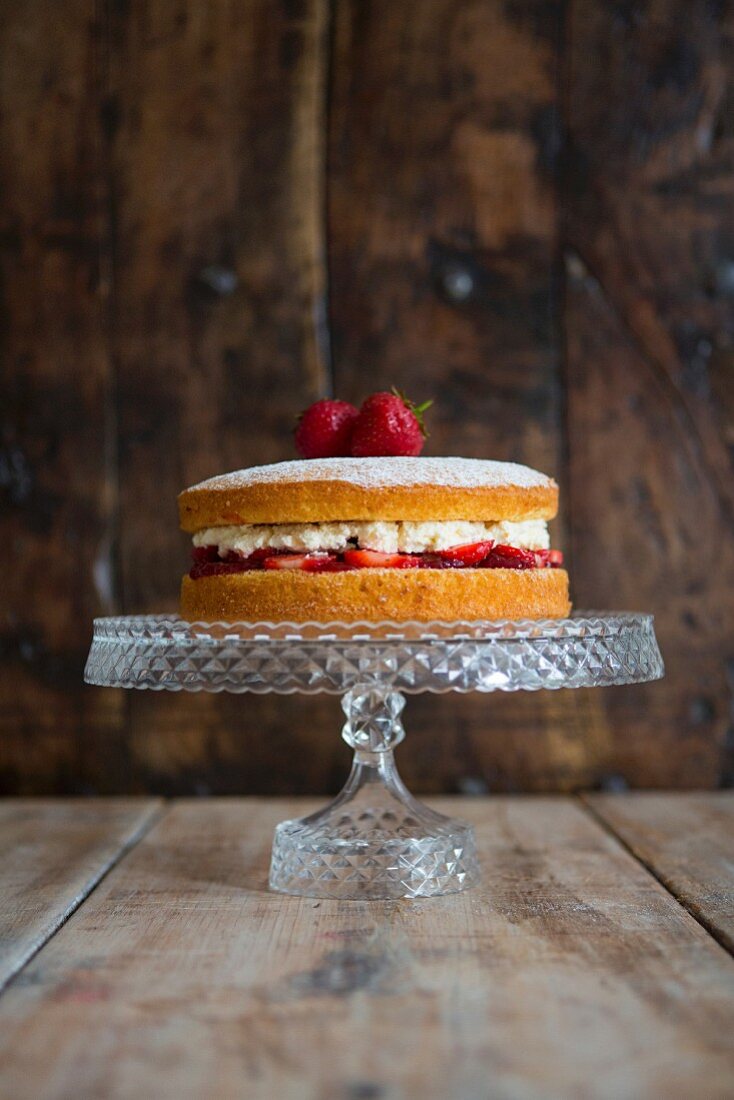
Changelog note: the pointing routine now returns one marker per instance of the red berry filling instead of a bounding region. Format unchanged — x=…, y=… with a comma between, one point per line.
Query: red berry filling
x=475, y=555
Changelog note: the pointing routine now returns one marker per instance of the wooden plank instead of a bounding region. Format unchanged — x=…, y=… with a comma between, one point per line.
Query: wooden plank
x=57, y=471
x=163, y=193
x=52, y=854
x=649, y=221
x=687, y=841
x=570, y=972
x=217, y=161
x=442, y=218
x=442, y=223
x=218, y=186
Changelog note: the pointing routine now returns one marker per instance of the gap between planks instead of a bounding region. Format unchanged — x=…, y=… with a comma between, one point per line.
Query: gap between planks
x=160, y=808
x=570, y=971
x=654, y=862
x=49, y=923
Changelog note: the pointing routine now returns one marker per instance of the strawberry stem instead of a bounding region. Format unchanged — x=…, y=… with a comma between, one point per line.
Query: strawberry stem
x=417, y=410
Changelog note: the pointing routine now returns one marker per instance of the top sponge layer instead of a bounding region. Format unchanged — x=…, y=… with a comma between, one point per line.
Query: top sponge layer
x=385, y=488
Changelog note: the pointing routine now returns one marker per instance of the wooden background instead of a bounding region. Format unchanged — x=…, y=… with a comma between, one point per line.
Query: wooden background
x=214, y=212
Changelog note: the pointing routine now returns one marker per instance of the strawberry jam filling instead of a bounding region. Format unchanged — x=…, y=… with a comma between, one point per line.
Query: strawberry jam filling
x=475, y=555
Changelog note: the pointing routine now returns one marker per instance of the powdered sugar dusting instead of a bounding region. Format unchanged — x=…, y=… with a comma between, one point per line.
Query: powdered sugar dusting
x=386, y=472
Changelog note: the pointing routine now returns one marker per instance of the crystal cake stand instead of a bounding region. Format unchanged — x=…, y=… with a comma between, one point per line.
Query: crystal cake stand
x=374, y=840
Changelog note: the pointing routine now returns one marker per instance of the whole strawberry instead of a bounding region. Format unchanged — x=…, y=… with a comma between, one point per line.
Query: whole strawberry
x=388, y=424
x=325, y=428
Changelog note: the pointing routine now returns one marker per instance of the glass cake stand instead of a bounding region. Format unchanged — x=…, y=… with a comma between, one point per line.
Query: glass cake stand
x=374, y=840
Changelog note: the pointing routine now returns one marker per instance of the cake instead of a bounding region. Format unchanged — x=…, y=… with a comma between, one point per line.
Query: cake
x=387, y=538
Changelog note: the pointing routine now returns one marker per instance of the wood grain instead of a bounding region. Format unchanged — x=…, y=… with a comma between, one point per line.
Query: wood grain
x=212, y=213
x=570, y=972
x=218, y=166
x=443, y=131
x=52, y=854
x=648, y=215
x=443, y=142
x=687, y=841
x=57, y=480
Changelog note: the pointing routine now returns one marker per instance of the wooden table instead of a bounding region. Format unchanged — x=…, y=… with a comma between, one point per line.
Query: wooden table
x=142, y=956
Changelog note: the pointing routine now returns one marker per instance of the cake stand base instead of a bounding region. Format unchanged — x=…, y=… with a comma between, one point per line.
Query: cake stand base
x=374, y=840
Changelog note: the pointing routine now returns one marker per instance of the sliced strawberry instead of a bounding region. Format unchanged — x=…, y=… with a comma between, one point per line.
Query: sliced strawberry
x=509, y=557
x=548, y=558
x=263, y=553
x=468, y=553
x=373, y=559
x=307, y=563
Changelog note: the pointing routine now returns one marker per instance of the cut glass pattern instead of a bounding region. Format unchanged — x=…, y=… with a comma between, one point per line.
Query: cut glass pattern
x=159, y=653
x=374, y=840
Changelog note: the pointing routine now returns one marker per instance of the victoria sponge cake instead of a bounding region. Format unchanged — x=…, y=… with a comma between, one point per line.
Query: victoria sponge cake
x=371, y=539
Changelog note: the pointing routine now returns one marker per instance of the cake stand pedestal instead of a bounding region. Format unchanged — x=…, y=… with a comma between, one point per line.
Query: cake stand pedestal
x=374, y=840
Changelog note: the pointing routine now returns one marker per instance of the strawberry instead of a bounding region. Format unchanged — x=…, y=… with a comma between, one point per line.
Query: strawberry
x=302, y=561
x=469, y=553
x=324, y=429
x=510, y=557
x=306, y=563
x=548, y=558
x=373, y=559
x=388, y=424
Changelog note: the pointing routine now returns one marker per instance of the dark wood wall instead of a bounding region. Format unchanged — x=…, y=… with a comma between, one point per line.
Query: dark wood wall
x=214, y=212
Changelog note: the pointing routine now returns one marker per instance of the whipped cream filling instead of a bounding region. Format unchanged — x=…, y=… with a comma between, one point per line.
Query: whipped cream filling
x=387, y=537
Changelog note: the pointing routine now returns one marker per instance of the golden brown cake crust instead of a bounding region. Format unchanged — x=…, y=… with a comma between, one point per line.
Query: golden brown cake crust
x=374, y=595
x=417, y=489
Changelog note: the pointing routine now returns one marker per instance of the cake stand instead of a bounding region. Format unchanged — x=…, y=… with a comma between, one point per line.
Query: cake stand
x=374, y=840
